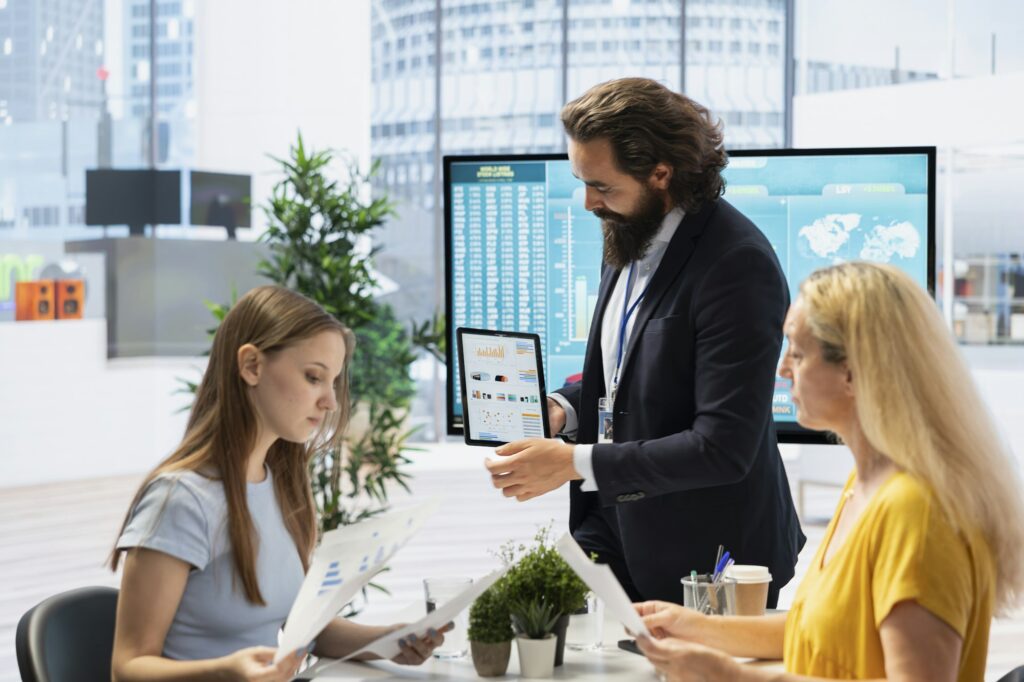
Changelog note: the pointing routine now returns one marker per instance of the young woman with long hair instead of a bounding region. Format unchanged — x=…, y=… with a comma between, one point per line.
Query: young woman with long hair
x=928, y=539
x=219, y=536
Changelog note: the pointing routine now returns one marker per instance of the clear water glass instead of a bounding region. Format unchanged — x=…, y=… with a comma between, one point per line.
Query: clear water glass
x=437, y=592
x=586, y=626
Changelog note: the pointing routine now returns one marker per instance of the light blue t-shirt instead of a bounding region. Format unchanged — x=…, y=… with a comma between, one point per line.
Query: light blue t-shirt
x=184, y=514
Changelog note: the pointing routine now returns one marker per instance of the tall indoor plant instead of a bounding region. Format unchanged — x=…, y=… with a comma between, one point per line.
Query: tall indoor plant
x=319, y=233
x=318, y=236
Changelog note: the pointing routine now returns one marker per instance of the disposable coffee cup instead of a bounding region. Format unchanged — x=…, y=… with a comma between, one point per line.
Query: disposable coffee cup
x=751, y=588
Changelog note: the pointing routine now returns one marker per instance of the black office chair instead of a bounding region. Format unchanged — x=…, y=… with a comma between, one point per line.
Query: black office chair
x=1015, y=675
x=68, y=637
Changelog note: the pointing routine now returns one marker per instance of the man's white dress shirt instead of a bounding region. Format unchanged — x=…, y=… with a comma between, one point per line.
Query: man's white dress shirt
x=610, y=325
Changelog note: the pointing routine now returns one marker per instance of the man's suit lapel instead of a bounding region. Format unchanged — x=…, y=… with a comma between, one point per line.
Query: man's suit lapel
x=679, y=250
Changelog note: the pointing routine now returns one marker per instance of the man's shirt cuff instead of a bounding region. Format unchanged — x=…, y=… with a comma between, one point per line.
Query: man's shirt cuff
x=582, y=461
x=571, y=421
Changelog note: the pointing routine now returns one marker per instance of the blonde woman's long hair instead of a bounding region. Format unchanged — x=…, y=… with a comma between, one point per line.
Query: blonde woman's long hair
x=222, y=426
x=918, y=404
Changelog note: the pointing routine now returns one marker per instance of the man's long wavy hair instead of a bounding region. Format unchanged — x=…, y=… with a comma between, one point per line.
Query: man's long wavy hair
x=222, y=426
x=647, y=124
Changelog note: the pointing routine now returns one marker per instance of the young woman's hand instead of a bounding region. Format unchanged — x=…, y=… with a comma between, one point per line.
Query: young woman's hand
x=665, y=619
x=415, y=650
x=255, y=664
x=679, y=661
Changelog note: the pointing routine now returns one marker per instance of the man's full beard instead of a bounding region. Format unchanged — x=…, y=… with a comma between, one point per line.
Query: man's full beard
x=627, y=237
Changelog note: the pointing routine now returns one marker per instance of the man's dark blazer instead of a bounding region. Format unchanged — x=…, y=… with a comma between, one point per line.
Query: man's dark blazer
x=695, y=462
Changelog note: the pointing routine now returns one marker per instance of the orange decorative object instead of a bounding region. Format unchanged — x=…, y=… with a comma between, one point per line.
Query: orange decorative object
x=70, y=299
x=34, y=300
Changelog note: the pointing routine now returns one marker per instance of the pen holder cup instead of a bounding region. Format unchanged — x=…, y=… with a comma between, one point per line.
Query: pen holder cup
x=710, y=598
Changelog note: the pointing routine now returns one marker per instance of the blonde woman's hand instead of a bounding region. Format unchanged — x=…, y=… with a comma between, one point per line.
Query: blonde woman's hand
x=256, y=664
x=665, y=619
x=679, y=661
x=417, y=649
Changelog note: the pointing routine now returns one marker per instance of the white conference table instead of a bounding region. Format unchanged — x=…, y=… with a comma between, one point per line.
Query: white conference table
x=608, y=663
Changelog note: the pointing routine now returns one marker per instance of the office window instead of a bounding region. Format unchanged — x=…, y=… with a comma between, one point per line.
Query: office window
x=52, y=106
x=904, y=65
x=503, y=95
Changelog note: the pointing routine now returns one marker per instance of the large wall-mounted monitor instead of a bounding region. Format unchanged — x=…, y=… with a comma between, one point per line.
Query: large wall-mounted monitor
x=522, y=254
x=135, y=198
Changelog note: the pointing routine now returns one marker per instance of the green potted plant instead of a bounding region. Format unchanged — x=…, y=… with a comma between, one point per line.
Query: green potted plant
x=490, y=632
x=541, y=570
x=534, y=621
x=319, y=232
x=318, y=236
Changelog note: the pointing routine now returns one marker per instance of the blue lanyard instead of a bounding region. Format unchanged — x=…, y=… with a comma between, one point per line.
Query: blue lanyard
x=627, y=312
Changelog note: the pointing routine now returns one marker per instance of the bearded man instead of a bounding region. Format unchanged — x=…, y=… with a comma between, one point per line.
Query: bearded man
x=675, y=448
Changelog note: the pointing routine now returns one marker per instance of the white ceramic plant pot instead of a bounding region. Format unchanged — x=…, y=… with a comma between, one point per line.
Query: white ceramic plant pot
x=536, y=656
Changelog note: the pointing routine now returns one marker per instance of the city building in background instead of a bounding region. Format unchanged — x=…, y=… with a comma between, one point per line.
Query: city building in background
x=52, y=96
x=507, y=69
x=50, y=53
x=59, y=116
x=75, y=93
x=175, y=75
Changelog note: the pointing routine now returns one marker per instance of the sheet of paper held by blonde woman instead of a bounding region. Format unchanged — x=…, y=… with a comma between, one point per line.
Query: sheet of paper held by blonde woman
x=346, y=560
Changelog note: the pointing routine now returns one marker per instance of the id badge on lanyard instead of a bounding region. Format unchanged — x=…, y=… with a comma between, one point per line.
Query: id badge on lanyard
x=605, y=419
x=605, y=406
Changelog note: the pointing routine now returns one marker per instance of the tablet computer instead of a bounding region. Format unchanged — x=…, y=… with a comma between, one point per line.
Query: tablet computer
x=501, y=377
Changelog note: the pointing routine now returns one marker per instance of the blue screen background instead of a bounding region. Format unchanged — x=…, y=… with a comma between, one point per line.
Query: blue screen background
x=525, y=255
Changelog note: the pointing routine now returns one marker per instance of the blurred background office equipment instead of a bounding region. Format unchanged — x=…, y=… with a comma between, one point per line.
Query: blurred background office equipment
x=220, y=199
x=135, y=198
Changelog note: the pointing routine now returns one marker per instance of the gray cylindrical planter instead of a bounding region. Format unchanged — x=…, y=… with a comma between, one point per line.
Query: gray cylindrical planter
x=561, y=627
x=490, y=659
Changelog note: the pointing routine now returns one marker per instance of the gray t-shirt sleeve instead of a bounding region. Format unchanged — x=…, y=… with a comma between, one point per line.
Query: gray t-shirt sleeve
x=170, y=519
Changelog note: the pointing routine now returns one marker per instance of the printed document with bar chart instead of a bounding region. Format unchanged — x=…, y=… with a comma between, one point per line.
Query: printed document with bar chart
x=502, y=386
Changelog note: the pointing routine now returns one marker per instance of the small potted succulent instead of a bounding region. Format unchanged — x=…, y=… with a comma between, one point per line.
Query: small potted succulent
x=534, y=621
x=541, y=572
x=490, y=632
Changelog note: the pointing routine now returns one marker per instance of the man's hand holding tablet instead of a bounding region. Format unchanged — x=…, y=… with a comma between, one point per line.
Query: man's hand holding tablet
x=528, y=468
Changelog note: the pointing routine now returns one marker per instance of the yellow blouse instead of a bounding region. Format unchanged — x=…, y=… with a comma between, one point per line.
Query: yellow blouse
x=901, y=548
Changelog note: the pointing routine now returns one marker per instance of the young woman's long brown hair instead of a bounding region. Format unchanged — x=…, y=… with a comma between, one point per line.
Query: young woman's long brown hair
x=222, y=426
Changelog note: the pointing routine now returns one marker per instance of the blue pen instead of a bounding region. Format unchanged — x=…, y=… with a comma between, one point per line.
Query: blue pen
x=720, y=566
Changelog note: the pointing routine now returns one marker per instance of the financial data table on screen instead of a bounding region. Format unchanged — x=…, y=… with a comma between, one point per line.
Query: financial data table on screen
x=525, y=255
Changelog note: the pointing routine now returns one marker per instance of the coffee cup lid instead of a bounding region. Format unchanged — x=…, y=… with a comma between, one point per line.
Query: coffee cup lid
x=747, y=573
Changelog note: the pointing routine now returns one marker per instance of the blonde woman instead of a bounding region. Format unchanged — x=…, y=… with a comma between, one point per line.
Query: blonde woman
x=928, y=539
x=221, y=533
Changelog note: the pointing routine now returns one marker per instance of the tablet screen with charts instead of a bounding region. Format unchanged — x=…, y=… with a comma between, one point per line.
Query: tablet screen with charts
x=502, y=382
